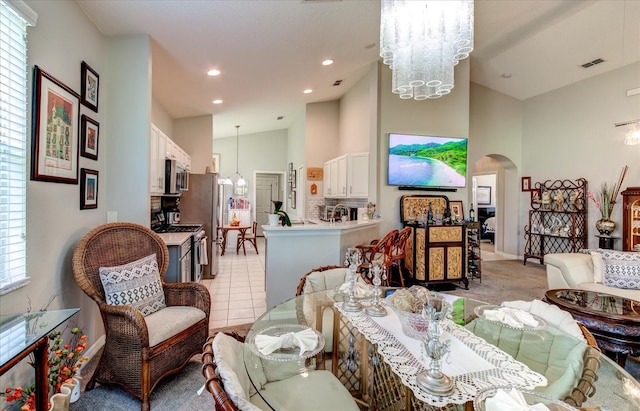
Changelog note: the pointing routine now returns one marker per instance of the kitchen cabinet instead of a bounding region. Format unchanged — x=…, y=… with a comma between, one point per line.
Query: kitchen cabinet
x=347, y=176
x=157, y=153
x=358, y=175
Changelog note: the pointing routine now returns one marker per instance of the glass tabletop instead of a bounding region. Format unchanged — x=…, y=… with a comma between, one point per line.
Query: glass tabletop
x=597, y=303
x=19, y=331
x=613, y=388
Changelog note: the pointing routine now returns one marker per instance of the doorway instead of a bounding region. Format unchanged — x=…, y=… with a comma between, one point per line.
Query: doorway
x=268, y=188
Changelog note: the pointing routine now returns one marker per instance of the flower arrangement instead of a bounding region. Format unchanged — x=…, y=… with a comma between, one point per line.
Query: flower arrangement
x=64, y=362
x=605, y=199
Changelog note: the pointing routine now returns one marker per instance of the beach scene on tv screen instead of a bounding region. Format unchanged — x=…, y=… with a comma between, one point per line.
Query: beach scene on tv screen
x=425, y=161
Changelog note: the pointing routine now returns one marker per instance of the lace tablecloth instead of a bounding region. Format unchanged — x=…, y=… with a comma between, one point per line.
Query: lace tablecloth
x=473, y=364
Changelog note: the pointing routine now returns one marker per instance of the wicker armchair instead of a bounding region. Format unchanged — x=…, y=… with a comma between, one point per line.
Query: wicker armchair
x=128, y=359
x=214, y=382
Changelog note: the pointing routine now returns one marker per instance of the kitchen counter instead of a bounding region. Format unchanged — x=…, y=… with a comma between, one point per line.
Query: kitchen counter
x=175, y=238
x=293, y=251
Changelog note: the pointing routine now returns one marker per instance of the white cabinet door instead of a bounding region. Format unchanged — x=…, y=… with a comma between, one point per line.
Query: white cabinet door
x=341, y=180
x=157, y=150
x=327, y=179
x=358, y=175
x=333, y=176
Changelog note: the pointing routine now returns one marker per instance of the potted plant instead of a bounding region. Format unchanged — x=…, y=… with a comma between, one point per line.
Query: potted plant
x=279, y=215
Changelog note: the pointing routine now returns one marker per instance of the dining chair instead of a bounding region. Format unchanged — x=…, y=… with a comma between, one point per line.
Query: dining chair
x=152, y=328
x=248, y=237
x=377, y=250
x=397, y=254
x=231, y=388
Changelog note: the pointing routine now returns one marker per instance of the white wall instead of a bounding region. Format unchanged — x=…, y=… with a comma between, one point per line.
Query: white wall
x=195, y=136
x=447, y=116
x=161, y=118
x=354, y=127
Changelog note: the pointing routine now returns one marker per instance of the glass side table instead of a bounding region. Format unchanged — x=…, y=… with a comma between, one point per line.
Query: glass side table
x=23, y=334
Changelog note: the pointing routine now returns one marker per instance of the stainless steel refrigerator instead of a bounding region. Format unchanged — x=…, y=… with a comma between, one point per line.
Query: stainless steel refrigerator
x=200, y=205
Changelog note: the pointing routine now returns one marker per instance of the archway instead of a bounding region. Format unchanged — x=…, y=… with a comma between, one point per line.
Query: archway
x=507, y=236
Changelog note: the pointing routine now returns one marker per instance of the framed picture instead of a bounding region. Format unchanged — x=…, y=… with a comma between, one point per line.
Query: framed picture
x=294, y=178
x=88, y=189
x=293, y=200
x=535, y=196
x=290, y=172
x=89, y=141
x=215, y=163
x=526, y=183
x=456, y=209
x=55, y=130
x=90, y=87
x=483, y=195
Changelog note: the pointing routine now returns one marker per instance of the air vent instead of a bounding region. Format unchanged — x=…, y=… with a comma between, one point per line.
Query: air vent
x=280, y=117
x=337, y=83
x=592, y=63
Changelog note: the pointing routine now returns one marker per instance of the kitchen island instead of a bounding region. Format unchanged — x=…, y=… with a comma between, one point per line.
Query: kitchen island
x=293, y=251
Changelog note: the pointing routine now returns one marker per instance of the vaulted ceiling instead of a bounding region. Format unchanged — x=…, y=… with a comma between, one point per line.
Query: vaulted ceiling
x=269, y=51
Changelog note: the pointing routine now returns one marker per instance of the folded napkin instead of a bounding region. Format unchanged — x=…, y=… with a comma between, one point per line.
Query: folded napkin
x=306, y=339
x=511, y=317
x=361, y=290
x=511, y=401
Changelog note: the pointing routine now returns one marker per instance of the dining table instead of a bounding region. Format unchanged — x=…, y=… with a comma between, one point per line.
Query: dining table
x=242, y=230
x=378, y=363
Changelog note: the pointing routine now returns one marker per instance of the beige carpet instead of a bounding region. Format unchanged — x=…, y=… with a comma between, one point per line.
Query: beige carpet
x=506, y=280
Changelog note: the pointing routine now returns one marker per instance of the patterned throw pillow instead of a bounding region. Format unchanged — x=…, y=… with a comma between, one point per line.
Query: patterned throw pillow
x=137, y=284
x=621, y=269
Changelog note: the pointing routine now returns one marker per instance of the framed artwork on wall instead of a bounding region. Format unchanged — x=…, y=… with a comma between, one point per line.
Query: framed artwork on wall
x=88, y=189
x=293, y=200
x=90, y=87
x=215, y=163
x=526, y=183
x=89, y=143
x=483, y=195
x=55, y=130
x=456, y=209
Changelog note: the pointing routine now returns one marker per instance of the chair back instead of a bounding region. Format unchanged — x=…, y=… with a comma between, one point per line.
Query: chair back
x=399, y=247
x=385, y=247
x=110, y=245
x=213, y=382
x=254, y=227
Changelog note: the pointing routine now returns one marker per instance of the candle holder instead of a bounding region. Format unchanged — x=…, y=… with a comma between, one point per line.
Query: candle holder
x=353, y=260
x=378, y=272
x=434, y=380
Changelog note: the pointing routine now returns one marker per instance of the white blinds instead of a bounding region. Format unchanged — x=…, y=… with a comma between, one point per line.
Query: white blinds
x=13, y=124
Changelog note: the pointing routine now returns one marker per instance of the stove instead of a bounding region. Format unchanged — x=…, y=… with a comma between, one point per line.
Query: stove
x=177, y=228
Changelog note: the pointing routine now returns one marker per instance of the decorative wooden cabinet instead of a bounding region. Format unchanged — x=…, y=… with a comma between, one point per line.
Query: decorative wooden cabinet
x=474, y=259
x=631, y=219
x=557, y=219
x=436, y=253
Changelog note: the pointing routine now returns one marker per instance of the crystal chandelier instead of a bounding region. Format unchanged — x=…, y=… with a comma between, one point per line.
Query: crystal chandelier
x=240, y=182
x=422, y=41
x=632, y=137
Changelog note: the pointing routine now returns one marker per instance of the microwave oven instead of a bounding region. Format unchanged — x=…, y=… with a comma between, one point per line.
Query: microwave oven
x=176, y=177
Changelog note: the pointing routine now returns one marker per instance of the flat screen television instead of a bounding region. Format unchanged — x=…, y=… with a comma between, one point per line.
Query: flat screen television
x=427, y=161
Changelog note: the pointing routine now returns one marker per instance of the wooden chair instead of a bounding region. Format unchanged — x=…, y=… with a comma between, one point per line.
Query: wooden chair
x=248, y=237
x=377, y=250
x=139, y=351
x=397, y=255
x=214, y=383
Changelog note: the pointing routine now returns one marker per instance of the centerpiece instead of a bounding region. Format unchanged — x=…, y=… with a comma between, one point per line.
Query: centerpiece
x=605, y=200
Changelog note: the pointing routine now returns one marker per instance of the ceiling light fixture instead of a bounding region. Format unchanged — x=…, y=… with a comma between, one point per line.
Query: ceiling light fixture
x=240, y=182
x=213, y=72
x=218, y=101
x=422, y=41
x=327, y=62
x=633, y=135
x=307, y=91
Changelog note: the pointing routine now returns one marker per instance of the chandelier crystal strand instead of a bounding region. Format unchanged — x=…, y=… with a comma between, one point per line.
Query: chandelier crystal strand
x=422, y=41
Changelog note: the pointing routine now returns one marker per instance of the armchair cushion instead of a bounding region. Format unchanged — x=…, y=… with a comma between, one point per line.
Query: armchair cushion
x=621, y=269
x=137, y=284
x=169, y=321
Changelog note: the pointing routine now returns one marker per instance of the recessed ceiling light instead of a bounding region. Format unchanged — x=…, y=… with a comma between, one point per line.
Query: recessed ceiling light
x=327, y=62
x=218, y=101
x=213, y=72
x=307, y=91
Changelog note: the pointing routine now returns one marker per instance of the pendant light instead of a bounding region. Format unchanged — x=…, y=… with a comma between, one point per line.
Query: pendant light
x=240, y=182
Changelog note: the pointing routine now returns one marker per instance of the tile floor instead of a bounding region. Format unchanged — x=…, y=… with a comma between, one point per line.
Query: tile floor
x=237, y=292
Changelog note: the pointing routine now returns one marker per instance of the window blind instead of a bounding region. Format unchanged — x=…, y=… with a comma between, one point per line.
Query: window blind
x=13, y=138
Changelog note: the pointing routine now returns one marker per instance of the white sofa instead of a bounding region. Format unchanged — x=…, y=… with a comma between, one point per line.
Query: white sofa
x=576, y=270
